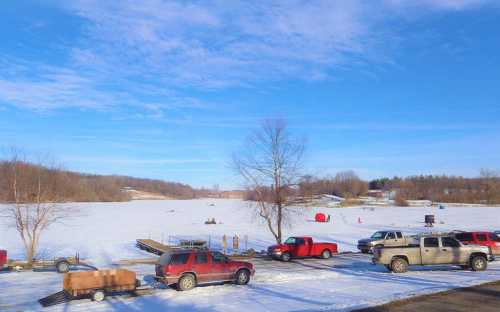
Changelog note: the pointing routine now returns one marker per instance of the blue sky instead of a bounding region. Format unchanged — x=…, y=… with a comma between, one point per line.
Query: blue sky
x=168, y=89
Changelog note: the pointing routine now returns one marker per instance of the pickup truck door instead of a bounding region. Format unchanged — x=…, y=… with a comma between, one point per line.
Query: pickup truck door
x=430, y=250
x=301, y=247
x=391, y=239
x=450, y=251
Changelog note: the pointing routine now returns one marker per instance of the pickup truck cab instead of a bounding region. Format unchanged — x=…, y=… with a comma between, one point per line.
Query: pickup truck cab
x=381, y=239
x=301, y=247
x=488, y=239
x=433, y=250
x=190, y=267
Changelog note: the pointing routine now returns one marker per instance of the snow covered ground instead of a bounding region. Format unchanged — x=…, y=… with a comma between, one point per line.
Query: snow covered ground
x=105, y=233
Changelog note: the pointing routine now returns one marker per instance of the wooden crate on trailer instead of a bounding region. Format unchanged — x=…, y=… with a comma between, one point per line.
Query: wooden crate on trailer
x=82, y=283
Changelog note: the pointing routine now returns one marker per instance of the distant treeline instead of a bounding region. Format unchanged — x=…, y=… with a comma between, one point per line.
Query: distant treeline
x=484, y=189
x=345, y=184
x=66, y=186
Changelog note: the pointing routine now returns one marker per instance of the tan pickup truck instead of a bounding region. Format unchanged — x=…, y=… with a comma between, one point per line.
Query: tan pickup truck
x=433, y=250
x=382, y=239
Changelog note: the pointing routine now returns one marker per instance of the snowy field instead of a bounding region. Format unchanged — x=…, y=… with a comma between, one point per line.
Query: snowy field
x=105, y=233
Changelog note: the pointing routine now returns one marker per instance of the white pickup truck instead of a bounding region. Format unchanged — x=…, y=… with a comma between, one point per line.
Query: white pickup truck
x=433, y=250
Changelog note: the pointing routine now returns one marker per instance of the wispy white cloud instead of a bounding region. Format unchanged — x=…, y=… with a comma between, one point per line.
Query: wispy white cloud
x=148, y=55
x=217, y=44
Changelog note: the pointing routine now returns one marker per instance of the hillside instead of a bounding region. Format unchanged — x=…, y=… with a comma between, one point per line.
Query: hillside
x=68, y=186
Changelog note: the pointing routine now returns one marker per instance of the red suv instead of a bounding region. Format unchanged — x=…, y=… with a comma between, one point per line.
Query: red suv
x=488, y=239
x=188, y=268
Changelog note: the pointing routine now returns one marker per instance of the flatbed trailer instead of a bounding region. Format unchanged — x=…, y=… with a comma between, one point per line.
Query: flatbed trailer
x=61, y=264
x=94, y=284
x=159, y=249
x=153, y=246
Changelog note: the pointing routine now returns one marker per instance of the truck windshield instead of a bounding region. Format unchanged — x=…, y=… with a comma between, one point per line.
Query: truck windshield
x=379, y=235
x=290, y=241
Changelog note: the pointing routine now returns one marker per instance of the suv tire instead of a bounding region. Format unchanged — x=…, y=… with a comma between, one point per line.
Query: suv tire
x=242, y=277
x=399, y=265
x=186, y=282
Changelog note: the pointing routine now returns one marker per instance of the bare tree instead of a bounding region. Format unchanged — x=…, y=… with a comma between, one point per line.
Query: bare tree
x=34, y=200
x=349, y=185
x=269, y=164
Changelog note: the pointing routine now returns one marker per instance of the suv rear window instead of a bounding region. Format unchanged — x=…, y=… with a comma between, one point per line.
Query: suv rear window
x=181, y=258
x=464, y=237
x=431, y=242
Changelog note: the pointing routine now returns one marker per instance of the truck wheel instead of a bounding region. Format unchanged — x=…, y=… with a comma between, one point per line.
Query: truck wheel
x=186, y=282
x=242, y=277
x=286, y=257
x=478, y=263
x=326, y=254
x=62, y=266
x=98, y=295
x=399, y=265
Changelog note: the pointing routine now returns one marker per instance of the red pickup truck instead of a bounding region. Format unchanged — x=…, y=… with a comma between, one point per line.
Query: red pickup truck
x=3, y=258
x=488, y=239
x=188, y=268
x=301, y=247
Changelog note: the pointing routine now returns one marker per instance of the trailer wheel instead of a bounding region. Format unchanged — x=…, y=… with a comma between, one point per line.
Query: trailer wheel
x=62, y=266
x=286, y=257
x=399, y=265
x=98, y=295
x=326, y=254
x=186, y=282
